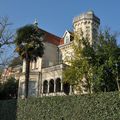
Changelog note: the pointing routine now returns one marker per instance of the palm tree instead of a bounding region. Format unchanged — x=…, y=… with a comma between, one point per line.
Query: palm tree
x=29, y=45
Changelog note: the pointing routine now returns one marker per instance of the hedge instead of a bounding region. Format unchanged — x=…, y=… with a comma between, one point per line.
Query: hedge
x=102, y=106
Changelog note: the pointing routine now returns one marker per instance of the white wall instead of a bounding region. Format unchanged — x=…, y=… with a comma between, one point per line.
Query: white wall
x=50, y=56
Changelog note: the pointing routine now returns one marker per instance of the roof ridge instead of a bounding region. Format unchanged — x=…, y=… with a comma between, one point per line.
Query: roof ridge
x=51, y=38
x=50, y=33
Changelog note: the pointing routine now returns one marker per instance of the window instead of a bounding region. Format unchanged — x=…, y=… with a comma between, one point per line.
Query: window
x=58, y=85
x=32, y=88
x=36, y=66
x=67, y=39
x=45, y=86
x=32, y=65
x=87, y=31
x=94, y=33
x=51, y=86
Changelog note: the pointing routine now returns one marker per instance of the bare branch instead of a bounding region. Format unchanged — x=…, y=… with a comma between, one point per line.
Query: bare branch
x=6, y=37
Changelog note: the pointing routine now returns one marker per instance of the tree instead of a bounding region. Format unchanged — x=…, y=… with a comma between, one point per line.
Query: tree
x=9, y=89
x=29, y=45
x=6, y=36
x=96, y=63
x=107, y=54
x=6, y=39
x=79, y=71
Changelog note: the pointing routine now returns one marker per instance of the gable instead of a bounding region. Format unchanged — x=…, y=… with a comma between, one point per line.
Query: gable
x=66, y=37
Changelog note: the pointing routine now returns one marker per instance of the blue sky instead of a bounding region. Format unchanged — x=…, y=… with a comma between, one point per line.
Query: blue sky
x=56, y=16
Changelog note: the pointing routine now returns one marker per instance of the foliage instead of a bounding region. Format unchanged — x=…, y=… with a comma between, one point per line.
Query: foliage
x=96, y=62
x=9, y=89
x=102, y=106
x=80, y=67
x=107, y=56
x=29, y=39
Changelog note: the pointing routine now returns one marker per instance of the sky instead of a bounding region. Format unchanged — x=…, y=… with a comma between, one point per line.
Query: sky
x=55, y=16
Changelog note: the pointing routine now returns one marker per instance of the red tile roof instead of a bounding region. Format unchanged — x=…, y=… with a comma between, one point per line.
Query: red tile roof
x=49, y=37
x=61, y=41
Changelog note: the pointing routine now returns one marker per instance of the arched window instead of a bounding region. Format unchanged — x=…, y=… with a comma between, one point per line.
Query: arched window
x=45, y=86
x=58, y=85
x=51, y=86
x=32, y=88
x=66, y=88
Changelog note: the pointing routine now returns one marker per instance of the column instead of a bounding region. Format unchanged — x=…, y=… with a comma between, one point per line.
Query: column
x=61, y=85
x=70, y=89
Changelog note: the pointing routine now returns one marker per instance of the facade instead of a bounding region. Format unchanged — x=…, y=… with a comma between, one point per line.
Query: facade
x=46, y=77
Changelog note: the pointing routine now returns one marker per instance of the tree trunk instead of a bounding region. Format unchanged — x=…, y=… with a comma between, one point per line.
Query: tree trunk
x=27, y=76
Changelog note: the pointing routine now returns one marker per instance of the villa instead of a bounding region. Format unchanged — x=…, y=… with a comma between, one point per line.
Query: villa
x=46, y=74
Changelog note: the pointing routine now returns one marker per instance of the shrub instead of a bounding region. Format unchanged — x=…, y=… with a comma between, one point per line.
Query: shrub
x=103, y=106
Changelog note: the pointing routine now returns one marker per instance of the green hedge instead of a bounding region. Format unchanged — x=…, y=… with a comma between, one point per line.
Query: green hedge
x=8, y=110
x=103, y=106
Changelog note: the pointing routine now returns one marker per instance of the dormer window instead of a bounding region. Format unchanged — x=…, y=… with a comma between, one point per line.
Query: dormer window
x=67, y=39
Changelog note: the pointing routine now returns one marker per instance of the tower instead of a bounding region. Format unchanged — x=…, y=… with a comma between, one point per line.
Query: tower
x=87, y=23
